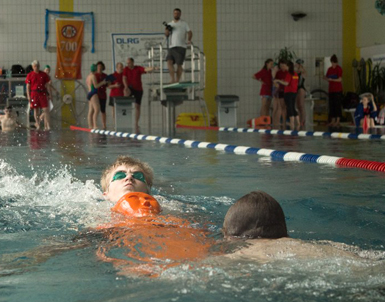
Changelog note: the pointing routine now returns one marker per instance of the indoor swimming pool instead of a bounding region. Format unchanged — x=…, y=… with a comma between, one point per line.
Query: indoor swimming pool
x=51, y=202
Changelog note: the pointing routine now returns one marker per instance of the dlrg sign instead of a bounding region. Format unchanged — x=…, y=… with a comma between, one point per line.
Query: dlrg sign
x=127, y=41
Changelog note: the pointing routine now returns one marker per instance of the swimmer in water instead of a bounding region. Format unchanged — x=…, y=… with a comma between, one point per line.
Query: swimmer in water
x=259, y=219
x=8, y=120
x=149, y=242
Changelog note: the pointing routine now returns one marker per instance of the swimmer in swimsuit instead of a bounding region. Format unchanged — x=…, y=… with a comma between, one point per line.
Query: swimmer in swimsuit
x=92, y=96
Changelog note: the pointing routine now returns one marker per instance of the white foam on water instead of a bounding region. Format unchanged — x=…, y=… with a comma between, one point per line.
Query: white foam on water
x=48, y=198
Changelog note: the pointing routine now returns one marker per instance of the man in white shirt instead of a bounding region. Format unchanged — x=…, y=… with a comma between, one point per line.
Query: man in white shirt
x=177, y=44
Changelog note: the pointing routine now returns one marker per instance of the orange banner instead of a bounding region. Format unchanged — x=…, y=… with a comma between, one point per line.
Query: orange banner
x=69, y=39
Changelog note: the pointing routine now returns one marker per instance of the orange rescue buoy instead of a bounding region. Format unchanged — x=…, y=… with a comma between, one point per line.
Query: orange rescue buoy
x=259, y=121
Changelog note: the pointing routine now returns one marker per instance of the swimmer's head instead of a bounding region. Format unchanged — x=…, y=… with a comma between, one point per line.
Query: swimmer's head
x=113, y=190
x=137, y=204
x=93, y=68
x=47, y=69
x=8, y=110
x=255, y=215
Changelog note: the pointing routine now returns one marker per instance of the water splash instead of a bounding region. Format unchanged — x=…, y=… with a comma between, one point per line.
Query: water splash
x=49, y=199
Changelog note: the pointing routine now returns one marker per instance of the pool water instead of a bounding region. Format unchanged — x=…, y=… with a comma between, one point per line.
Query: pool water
x=50, y=193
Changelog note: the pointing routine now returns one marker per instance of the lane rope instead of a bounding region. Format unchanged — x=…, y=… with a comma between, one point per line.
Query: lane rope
x=342, y=135
x=274, y=154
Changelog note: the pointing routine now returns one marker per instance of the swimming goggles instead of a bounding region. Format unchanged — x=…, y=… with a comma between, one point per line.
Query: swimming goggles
x=136, y=175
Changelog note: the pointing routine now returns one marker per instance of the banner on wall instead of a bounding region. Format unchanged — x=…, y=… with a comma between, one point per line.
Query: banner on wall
x=135, y=46
x=69, y=40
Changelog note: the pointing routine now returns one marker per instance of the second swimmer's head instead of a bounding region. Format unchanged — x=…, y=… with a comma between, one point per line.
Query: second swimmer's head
x=93, y=68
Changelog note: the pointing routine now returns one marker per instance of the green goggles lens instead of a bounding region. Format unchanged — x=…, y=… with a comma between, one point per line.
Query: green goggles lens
x=136, y=175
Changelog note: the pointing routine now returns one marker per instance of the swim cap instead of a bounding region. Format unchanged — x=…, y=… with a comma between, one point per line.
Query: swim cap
x=137, y=204
x=47, y=66
x=93, y=68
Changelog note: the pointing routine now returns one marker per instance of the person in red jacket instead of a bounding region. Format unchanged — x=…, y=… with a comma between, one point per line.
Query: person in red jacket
x=334, y=77
x=290, y=93
x=102, y=94
x=264, y=76
x=37, y=93
x=117, y=86
x=132, y=80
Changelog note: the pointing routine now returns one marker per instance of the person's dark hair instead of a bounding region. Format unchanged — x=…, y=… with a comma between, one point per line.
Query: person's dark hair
x=291, y=67
x=132, y=60
x=255, y=215
x=267, y=62
x=101, y=63
x=334, y=59
x=281, y=61
x=177, y=9
x=9, y=107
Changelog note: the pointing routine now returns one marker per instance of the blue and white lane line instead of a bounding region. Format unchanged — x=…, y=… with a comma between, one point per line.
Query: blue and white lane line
x=304, y=133
x=277, y=155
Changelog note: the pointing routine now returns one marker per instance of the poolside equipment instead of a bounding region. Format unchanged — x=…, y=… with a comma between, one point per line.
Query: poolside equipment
x=227, y=110
x=259, y=121
x=65, y=101
x=110, y=78
x=193, y=119
x=137, y=204
x=124, y=107
x=190, y=88
x=274, y=154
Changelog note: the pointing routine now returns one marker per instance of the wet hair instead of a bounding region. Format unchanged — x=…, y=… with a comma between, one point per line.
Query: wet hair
x=177, y=9
x=291, y=67
x=131, y=162
x=334, y=59
x=255, y=215
x=101, y=63
x=267, y=62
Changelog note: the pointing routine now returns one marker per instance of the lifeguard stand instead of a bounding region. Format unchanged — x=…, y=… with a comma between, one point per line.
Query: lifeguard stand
x=171, y=95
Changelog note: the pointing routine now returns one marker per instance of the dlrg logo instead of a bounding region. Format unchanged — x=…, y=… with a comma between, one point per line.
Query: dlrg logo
x=127, y=41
